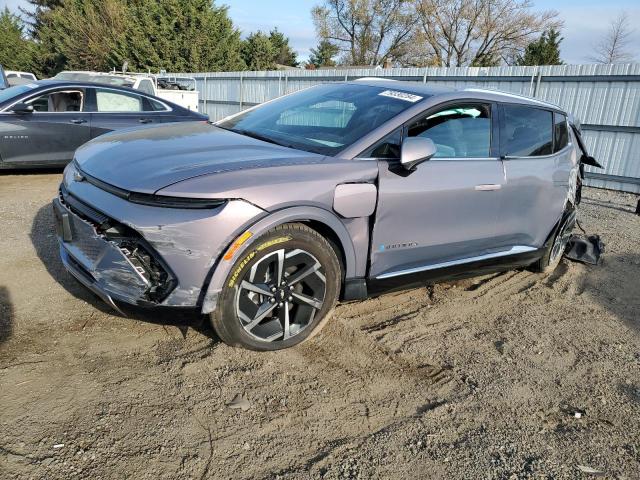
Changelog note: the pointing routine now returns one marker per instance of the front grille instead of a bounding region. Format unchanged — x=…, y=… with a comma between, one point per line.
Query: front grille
x=83, y=210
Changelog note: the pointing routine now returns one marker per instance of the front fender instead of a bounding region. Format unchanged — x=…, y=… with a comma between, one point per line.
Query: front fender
x=222, y=268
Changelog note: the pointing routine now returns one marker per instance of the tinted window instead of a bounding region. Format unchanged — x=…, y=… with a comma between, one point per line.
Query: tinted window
x=527, y=131
x=560, y=132
x=111, y=101
x=323, y=119
x=462, y=131
x=154, y=106
x=59, y=102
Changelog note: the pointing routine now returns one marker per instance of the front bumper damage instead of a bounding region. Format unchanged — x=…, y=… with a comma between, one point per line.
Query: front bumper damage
x=138, y=254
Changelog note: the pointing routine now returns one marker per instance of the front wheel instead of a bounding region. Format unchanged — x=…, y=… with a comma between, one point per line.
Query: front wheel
x=280, y=292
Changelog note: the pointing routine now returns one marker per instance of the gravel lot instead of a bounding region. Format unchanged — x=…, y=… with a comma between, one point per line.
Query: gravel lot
x=515, y=375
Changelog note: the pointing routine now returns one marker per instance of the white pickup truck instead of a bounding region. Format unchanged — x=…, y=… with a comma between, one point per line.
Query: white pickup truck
x=179, y=90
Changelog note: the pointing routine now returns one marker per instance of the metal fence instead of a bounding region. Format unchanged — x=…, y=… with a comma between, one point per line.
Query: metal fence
x=606, y=99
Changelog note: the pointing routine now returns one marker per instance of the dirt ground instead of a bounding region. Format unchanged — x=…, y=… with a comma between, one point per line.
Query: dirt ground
x=514, y=375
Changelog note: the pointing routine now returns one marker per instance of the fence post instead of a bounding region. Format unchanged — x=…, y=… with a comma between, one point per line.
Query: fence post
x=204, y=95
x=424, y=77
x=241, y=91
x=535, y=92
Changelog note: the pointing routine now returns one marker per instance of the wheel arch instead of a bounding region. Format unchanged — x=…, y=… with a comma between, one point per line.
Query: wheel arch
x=324, y=222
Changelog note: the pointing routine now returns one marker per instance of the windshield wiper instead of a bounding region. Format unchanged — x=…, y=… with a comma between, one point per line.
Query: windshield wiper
x=257, y=136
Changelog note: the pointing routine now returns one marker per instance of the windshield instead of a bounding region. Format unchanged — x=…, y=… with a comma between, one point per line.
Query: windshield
x=324, y=119
x=11, y=92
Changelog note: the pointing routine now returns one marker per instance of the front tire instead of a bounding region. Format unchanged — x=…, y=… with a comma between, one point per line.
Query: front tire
x=279, y=292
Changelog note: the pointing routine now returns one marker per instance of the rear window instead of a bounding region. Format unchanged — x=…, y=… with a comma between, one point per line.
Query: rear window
x=527, y=131
x=560, y=132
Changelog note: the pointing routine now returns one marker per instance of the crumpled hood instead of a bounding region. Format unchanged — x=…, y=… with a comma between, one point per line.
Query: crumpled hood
x=148, y=159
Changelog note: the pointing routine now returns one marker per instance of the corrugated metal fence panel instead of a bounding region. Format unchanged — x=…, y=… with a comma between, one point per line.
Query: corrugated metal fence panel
x=606, y=99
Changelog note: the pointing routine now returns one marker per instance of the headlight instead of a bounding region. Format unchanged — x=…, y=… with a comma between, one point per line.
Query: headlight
x=174, y=202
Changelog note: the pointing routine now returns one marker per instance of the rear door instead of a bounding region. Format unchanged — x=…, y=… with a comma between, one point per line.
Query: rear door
x=50, y=135
x=541, y=172
x=115, y=109
x=446, y=210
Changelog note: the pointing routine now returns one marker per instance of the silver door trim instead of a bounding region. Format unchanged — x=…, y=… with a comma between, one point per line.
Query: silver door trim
x=512, y=251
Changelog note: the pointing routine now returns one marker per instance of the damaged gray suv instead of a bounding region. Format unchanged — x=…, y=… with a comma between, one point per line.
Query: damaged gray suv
x=341, y=191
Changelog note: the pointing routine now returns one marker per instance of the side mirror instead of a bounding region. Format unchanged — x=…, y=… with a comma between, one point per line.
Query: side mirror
x=22, y=108
x=416, y=150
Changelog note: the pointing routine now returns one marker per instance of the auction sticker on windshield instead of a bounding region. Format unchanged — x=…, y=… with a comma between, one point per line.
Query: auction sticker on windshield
x=407, y=97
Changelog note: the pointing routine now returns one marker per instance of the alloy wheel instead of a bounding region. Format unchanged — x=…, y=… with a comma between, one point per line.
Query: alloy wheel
x=280, y=295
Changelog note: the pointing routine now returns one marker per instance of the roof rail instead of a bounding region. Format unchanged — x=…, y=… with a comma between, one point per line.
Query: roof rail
x=513, y=95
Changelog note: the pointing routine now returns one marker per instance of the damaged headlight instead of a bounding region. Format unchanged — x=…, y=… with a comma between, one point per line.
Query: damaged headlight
x=70, y=174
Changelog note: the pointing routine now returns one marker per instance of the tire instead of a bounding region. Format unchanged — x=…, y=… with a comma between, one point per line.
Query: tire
x=555, y=248
x=253, y=312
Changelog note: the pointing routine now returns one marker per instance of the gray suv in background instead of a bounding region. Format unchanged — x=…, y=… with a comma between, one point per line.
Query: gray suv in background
x=341, y=191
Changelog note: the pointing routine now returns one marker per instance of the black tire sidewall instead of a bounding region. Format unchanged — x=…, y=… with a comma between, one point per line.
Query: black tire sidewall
x=224, y=318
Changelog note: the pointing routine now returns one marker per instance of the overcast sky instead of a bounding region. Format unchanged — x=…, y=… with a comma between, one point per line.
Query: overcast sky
x=584, y=21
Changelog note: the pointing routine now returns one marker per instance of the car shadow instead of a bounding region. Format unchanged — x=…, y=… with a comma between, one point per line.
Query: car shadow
x=6, y=315
x=46, y=246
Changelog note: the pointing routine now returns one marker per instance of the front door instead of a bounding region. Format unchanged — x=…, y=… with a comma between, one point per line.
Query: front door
x=444, y=211
x=50, y=135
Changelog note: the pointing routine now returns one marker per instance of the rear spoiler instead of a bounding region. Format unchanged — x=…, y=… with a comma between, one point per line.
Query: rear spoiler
x=585, y=159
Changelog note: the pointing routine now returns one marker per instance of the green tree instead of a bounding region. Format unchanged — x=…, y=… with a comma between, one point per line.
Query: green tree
x=175, y=35
x=258, y=52
x=16, y=51
x=544, y=51
x=322, y=55
x=284, y=54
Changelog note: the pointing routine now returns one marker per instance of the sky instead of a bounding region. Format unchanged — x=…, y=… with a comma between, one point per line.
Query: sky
x=584, y=21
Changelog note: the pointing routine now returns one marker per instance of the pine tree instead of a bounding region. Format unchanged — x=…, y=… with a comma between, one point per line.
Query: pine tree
x=284, y=54
x=322, y=55
x=258, y=52
x=544, y=51
x=16, y=51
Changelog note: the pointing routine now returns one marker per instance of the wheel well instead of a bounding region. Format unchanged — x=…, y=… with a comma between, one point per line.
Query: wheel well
x=333, y=239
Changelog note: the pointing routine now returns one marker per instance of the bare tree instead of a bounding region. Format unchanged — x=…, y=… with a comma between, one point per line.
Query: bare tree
x=367, y=32
x=614, y=46
x=479, y=32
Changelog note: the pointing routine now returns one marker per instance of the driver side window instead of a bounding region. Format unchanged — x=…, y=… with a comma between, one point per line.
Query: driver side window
x=458, y=131
x=59, y=102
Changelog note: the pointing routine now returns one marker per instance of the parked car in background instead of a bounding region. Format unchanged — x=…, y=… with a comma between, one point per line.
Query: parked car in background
x=179, y=90
x=23, y=75
x=344, y=190
x=43, y=122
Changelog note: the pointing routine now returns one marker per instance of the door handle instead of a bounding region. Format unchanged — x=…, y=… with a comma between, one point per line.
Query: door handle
x=145, y=120
x=78, y=121
x=488, y=187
